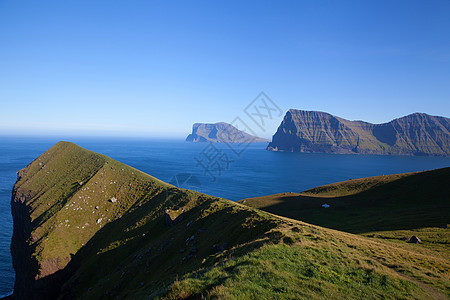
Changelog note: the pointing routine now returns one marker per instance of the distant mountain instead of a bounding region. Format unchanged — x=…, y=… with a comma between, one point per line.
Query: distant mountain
x=313, y=131
x=221, y=133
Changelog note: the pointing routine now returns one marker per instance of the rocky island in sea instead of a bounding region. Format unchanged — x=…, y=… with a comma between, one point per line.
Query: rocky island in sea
x=221, y=133
x=314, y=131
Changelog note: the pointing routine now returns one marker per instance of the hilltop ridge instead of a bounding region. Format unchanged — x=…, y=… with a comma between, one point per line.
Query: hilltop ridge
x=87, y=226
x=313, y=131
x=72, y=206
x=388, y=202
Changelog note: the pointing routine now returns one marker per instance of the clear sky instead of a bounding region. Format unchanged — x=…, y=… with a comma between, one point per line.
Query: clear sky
x=153, y=68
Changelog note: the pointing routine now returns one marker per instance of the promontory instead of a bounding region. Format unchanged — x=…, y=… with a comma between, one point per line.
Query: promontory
x=314, y=131
x=221, y=133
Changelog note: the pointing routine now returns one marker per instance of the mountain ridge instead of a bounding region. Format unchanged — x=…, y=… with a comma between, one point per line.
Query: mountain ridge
x=388, y=202
x=63, y=202
x=313, y=131
x=87, y=226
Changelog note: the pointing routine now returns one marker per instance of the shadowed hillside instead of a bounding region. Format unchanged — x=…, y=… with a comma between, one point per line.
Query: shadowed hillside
x=86, y=226
x=391, y=202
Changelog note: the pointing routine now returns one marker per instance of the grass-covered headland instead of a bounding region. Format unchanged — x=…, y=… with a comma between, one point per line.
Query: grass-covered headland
x=89, y=227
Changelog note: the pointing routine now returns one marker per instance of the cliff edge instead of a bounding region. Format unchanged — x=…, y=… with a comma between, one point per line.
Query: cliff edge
x=221, y=133
x=312, y=131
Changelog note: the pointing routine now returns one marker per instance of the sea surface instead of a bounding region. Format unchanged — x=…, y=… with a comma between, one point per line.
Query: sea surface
x=216, y=169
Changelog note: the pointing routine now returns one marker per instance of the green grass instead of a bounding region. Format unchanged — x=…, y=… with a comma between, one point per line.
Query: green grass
x=389, y=209
x=311, y=262
x=216, y=248
x=292, y=272
x=392, y=202
x=437, y=239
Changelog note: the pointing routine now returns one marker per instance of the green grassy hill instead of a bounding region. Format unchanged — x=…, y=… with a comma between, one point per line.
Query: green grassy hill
x=89, y=227
x=391, y=202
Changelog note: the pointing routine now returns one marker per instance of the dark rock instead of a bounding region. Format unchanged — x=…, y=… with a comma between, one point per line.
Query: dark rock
x=295, y=229
x=168, y=221
x=414, y=239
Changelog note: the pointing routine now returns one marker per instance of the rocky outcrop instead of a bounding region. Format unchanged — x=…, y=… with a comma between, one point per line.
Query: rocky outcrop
x=312, y=131
x=221, y=133
x=415, y=240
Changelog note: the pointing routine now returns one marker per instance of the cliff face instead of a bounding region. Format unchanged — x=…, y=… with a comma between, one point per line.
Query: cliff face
x=22, y=262
x=221, y=133
x=39, y=197
x=310, y=131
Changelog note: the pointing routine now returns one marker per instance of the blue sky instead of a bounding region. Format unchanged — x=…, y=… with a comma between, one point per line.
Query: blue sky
x=153, y=68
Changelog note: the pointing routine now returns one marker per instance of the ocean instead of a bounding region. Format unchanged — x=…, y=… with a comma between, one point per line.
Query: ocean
x=222, y=170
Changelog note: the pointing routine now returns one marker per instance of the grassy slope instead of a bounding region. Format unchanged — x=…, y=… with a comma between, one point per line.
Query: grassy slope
x=132, y=253
x=387, y=209
x=392, y=202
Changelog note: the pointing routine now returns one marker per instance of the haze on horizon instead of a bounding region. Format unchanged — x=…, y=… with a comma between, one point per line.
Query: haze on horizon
x=153, y=68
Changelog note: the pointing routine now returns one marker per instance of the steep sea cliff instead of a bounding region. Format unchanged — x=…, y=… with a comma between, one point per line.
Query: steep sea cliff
x=312, y=131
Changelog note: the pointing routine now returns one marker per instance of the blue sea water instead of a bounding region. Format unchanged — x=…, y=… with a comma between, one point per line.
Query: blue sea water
x=217, y=169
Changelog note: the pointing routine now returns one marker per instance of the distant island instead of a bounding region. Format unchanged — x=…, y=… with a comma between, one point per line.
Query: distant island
x=314, y=131
x=221, y=133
